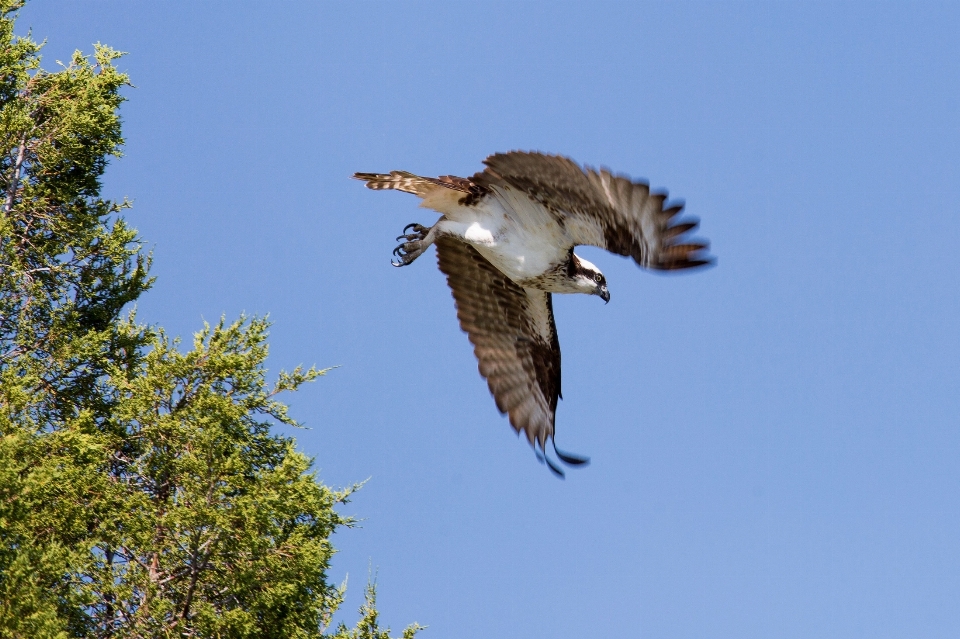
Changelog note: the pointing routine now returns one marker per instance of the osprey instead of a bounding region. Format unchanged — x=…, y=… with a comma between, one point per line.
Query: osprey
x=505, y=242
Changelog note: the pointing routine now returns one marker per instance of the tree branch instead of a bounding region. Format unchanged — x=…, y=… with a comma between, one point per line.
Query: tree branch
x=15, y=181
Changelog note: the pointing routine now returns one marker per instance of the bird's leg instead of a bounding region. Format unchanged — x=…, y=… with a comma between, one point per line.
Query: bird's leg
x=413, y=245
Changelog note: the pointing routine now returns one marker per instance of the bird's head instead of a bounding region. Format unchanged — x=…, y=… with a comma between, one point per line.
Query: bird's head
x=589, y=279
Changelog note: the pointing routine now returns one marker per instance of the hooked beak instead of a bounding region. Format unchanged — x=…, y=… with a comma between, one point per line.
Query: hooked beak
x=604, y=294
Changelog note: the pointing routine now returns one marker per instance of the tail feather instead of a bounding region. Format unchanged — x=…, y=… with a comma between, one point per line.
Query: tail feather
x=416, y=184
x=398, y=180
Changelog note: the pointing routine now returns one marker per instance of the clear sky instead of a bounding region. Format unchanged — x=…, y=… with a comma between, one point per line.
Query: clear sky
x=775, y=442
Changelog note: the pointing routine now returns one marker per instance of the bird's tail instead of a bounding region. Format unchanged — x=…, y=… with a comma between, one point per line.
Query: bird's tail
x=416, y=184
x=398, y=180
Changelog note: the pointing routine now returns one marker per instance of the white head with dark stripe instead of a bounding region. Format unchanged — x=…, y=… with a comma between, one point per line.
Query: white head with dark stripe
x=587, y=278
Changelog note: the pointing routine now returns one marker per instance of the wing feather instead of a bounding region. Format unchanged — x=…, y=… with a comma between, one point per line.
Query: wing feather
x=514, y=338
x=599, y=208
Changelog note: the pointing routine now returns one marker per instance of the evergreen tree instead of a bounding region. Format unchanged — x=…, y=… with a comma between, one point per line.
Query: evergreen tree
x=143, y=491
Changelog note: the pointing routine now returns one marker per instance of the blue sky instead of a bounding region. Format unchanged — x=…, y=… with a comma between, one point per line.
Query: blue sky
x=774, y=441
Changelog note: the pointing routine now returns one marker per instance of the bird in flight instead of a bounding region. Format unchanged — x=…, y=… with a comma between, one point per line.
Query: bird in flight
x=505, y=241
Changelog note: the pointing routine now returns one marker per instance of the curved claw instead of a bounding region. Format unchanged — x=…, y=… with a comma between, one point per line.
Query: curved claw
x=412, y=225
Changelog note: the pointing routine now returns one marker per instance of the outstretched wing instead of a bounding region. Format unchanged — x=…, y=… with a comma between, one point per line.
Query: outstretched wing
x=513, y=334
x=600, y=209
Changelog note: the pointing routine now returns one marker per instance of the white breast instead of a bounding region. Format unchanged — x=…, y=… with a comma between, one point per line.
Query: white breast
x=520, y=237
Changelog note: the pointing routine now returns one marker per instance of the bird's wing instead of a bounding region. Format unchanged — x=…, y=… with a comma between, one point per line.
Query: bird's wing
x=514, y=338
x=600, y=209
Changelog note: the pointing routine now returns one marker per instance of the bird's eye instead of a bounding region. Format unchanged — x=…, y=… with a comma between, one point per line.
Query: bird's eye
x=599, y=277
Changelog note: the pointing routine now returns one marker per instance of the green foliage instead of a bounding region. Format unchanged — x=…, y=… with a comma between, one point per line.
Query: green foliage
x=143, y=490
x=368, y=626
